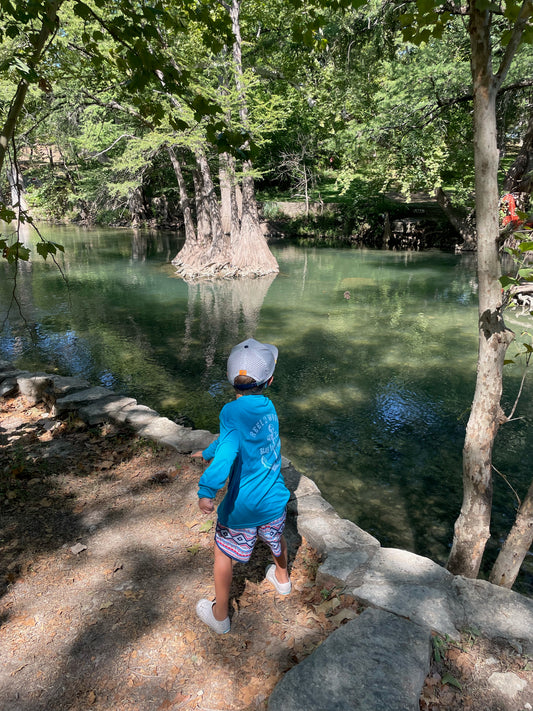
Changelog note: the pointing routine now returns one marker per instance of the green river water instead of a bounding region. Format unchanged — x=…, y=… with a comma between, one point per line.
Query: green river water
x=376, y=368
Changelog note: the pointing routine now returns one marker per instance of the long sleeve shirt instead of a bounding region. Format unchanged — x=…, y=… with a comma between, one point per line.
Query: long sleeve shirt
x=248, y=451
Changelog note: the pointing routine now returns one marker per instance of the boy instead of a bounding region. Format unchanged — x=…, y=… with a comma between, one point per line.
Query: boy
x=248, y=451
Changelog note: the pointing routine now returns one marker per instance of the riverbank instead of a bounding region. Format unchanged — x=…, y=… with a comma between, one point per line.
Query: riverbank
x=106, y=554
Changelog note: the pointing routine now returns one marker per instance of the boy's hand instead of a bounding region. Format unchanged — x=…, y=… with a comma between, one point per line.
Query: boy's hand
x=197, y=454
x=206, y=505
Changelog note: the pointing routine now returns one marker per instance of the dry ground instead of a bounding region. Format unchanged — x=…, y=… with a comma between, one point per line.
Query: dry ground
x=104, y=554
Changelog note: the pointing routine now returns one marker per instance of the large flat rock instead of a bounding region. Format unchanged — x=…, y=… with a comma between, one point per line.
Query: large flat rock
x=80, y=398
x=496, y=612
x=183, y=439
x=411, y=586
x=377, y=662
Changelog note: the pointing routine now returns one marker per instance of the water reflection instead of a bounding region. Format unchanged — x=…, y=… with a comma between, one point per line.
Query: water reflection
x=225, y=311
x=398, y=407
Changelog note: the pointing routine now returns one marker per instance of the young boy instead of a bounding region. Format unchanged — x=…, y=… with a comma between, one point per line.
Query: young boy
x=248, y=451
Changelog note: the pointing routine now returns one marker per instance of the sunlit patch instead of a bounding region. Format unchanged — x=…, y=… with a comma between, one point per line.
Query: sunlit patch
x=171, y=402
x=333, y=398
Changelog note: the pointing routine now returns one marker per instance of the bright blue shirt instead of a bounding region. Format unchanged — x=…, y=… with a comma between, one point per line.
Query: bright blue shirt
x=247, y=450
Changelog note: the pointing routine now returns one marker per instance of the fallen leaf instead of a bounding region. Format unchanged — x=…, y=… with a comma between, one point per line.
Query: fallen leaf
x=190, y=636
x=343, y=615
x=207, y=526
x=91, y=698
x=194, y=549
x=327, y=606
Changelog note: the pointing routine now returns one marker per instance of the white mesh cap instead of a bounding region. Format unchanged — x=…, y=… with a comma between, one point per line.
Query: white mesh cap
x=254, y=359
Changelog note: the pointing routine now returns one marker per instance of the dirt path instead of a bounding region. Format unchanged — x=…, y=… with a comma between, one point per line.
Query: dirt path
x=104, y=554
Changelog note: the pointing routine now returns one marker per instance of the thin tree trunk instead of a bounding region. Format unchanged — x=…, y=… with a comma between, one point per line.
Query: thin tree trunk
x=39, y=43
x=461, y=222
x=225, y=192
x=191, y=238
x=203, y=223
x=516, y=545
x=519, y=177
x=472, y=528
x=16, y=185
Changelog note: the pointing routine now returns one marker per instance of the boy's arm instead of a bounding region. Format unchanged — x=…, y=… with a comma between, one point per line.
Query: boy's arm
x=218, y=471
x=209, y=452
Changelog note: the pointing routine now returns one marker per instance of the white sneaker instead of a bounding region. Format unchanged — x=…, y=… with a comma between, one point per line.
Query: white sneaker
x=204, y=610
x=282, y=588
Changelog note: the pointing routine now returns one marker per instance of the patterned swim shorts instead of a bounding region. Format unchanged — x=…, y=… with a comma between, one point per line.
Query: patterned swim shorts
x=238, y=543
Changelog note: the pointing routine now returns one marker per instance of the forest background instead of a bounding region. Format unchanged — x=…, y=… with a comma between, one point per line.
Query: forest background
x=175, y=113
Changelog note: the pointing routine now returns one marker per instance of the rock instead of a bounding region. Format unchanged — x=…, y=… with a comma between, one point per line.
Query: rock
x=62, y=385
x=328, y=532
x=32, y=387
x=135, y=416
x=311, y=504
x=375, y=662
x=498, y=613
x=183, y=439
x=79, y=398
x=344, y=568
x=507, y=683
x=78, y=548
x=8, y=387
x=102, y=410
x=298, y=484
x=411, y=586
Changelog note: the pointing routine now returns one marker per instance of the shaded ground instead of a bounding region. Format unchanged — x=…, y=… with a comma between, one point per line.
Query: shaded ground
x=104, y=554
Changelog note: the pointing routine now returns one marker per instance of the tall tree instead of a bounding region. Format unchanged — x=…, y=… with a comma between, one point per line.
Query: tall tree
x=485, y=22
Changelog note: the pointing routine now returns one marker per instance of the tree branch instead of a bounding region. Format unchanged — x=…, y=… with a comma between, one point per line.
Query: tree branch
x=525, y=13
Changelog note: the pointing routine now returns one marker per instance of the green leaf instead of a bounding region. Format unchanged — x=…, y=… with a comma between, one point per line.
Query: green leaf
x=206, y=527
x=525, y=246
x=507, y=281
x=451, y=680
x=193, y=550
x=508, y=362
x=81, y=10
x=15, y=251
x=526, y=273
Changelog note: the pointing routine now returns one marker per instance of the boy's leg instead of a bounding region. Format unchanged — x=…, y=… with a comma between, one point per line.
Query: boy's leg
x=223, y=572
x=281, y=562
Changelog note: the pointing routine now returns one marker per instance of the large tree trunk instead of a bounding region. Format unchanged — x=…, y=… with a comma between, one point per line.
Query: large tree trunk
x=38, y=41
x=472, y=527
x=218, y=253
x=250, y=253
x=209, y=256
x=516, y=545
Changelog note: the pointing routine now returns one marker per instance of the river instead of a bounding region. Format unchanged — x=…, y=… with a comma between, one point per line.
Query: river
x=375, y=376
